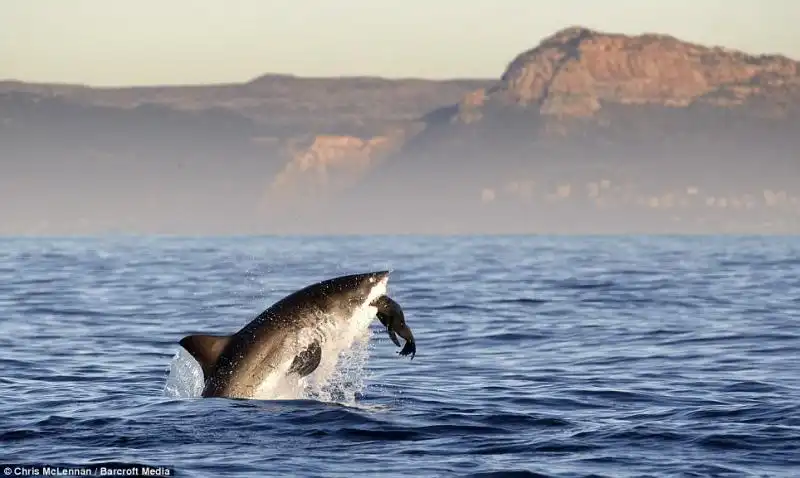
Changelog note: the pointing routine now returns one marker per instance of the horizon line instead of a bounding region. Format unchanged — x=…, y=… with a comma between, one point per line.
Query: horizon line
x=132, y=235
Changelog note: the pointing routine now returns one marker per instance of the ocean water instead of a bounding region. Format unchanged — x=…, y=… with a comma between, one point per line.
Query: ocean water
x=536, y=356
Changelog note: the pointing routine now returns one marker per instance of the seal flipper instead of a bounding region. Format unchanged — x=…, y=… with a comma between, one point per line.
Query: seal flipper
x=308, y=360
x=393, y=336
x=206, y=349
x=411, y=346
x=392, y=317
x=387, y=310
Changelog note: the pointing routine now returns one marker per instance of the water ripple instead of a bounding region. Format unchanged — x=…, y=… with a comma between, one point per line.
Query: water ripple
x=537, y=357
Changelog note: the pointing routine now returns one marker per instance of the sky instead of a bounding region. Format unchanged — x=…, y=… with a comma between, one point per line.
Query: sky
x=145, y=42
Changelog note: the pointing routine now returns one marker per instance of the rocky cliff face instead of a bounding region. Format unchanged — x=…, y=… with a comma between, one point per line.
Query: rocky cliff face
x=589, y=91
x=585, y=86
x=577, y=70
x=328, y=165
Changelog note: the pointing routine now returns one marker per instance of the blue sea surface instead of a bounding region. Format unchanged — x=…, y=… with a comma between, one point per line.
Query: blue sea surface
x=536, y=356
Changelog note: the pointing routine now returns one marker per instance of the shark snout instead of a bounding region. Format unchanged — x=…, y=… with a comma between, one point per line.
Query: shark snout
x=378, y=277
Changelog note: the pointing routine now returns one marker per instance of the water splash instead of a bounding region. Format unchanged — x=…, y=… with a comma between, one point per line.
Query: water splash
x=185, y=379
x=342, y=378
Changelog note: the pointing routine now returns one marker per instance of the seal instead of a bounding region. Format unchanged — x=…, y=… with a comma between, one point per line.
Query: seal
x=296, y=326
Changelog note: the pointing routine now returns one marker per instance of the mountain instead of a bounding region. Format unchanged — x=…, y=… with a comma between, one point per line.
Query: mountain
x=598, y=132
x=284, y=105
x=179, y=158
x=586, y=132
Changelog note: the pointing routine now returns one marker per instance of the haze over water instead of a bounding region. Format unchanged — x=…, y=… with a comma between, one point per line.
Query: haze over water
x=625, y=356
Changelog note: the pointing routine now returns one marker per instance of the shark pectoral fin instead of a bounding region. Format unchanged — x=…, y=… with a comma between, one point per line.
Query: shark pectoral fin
x=308, y=360
x=206, y=349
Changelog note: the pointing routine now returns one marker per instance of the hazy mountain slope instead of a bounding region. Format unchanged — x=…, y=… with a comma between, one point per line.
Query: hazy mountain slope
x=172, y=159
x=608, y=130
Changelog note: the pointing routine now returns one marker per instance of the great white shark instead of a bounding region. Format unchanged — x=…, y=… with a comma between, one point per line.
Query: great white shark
x=296, y=327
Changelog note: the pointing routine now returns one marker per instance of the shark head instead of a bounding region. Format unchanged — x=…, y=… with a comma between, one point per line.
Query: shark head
x=358, y=290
